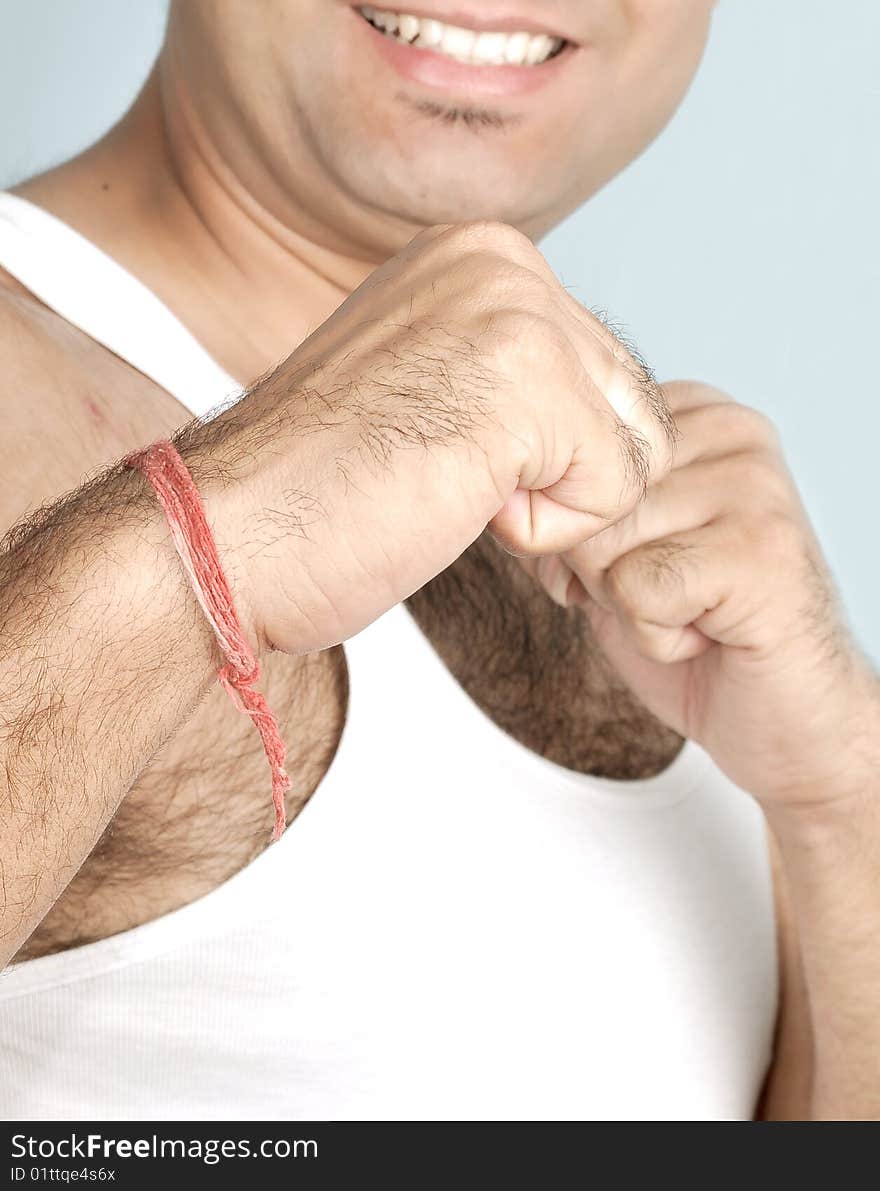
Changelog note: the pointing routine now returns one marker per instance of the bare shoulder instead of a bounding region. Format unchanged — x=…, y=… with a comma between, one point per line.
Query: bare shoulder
x=68, y=405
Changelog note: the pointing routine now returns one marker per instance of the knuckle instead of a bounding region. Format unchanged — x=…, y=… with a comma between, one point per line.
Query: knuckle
x=694, y=394
x=525, y=340
x=488, y=284
x=636, y=459
x=633, y=379
x=760, y=428
x=781, y=536
x=511, y=283
x=772, y=540
x=742, y=425
x=552, y=338
x=494, y=235
x=512, y=332
x=661, y=431
x=651, y=574
x=498, y=242
x=662, y=412
x=650, y=409
x=759, y=480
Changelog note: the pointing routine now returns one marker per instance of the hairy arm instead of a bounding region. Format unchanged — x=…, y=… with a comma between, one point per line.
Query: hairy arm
x=104, y=651
x=356, y=472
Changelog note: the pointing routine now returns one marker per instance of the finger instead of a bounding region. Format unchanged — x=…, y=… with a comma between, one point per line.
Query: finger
x=684, y=395
x=660, y=689
x=713, y=426
x=628, y=382
x=533, y=523
x=620, y=639
x=665, y=587
x=686, y=499
x=642, y=420
x=554, y=576
x=606, y=472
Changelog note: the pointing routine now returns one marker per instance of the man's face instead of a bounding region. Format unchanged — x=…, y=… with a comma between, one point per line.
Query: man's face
x=411, y=116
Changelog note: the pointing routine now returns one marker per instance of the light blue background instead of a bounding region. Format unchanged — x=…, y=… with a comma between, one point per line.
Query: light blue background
x=742, y=248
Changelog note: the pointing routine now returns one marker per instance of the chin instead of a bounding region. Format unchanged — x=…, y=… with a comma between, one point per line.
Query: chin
x=451, y=174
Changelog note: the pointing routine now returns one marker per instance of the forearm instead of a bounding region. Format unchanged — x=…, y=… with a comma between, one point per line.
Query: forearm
x=104, y=651
x=831, y=857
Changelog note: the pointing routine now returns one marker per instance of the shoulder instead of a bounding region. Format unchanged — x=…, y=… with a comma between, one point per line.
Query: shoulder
x=68, y=406
x=37, y=345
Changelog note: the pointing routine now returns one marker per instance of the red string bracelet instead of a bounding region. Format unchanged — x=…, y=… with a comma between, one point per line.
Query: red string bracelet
x=179, y=497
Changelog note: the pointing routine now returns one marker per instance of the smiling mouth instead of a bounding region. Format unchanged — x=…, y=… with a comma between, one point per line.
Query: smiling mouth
x=464, y=45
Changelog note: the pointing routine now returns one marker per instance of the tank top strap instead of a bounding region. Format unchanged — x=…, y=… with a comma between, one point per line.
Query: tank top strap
x=93, y=292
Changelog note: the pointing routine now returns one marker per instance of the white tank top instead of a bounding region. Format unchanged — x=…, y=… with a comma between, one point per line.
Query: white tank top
x=452, y=928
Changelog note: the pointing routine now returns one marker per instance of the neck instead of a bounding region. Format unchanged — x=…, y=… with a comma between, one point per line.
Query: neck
x=157, y=195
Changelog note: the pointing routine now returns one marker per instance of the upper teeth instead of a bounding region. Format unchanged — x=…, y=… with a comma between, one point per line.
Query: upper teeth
x=477, y=49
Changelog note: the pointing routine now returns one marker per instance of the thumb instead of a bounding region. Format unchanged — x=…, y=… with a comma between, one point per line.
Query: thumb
x=531, y=522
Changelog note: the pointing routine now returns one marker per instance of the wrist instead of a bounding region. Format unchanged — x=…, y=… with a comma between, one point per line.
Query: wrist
x=845, y=801
x=223, y=495
x=196, y=545
x=260, y=482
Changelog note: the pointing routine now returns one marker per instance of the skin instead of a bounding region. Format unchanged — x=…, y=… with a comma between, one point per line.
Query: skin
x=253, y=212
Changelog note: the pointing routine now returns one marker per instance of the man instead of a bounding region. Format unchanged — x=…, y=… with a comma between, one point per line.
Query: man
x=569, y=917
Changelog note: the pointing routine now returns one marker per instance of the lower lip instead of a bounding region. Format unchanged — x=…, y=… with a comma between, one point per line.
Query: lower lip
x=445, y=74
